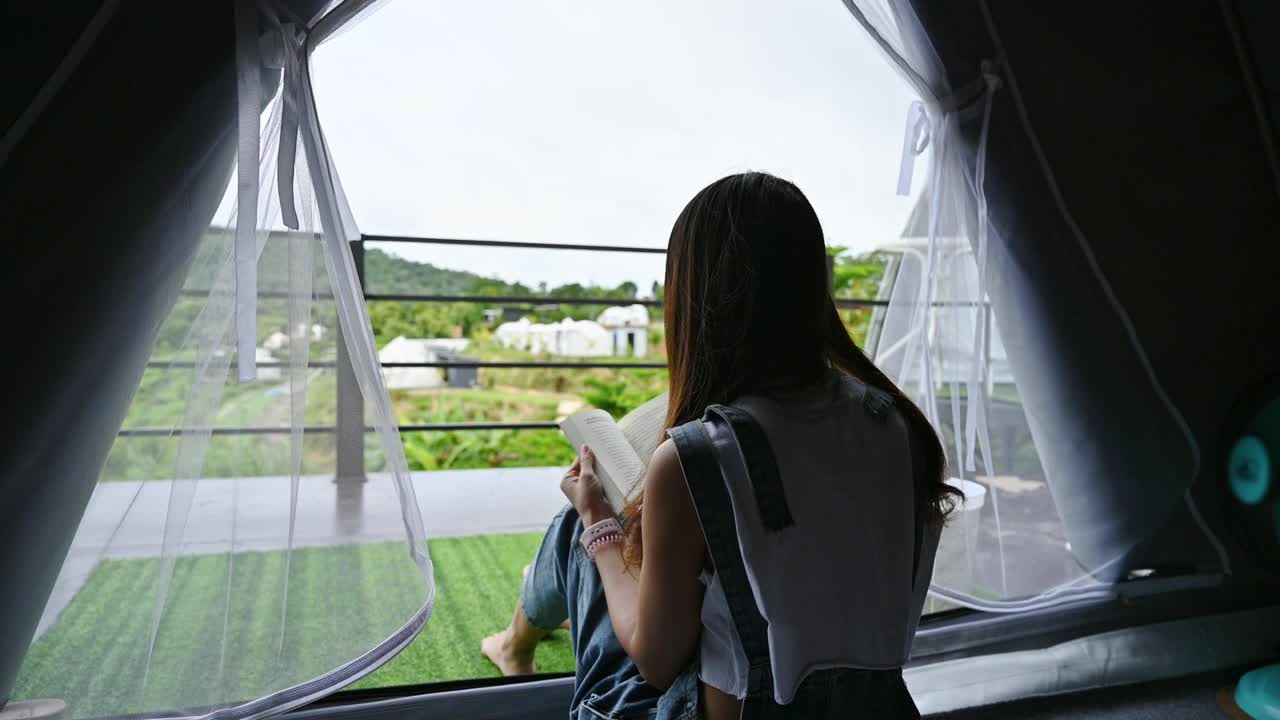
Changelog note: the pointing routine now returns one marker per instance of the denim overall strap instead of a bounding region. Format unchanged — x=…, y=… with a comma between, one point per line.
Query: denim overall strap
x=762, y=467
x=715, y=513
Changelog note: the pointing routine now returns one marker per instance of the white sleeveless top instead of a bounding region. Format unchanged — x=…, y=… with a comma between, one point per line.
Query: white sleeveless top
x=835, y=588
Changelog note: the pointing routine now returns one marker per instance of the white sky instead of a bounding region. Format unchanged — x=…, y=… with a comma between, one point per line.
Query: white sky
x=595, y=122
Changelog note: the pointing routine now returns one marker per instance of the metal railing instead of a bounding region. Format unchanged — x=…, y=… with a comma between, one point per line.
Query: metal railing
x=350, y=428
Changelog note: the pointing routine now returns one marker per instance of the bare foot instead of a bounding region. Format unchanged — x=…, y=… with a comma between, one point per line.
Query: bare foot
x=501, y=652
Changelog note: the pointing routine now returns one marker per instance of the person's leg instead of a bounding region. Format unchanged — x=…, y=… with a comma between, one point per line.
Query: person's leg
x=543, y=604
x=524, y=574
x=562, y=585
x=512, y=649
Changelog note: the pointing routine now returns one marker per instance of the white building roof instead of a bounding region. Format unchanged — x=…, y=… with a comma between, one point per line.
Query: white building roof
x=624, y=316
x=403, y=349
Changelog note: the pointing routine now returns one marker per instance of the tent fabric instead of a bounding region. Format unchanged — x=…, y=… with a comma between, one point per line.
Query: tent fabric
x=1120, y=657
x=196, y=257
x=172, y=156
x=1125, y=190
x=1130, y=179
x=1132, y=201
x=938, y=339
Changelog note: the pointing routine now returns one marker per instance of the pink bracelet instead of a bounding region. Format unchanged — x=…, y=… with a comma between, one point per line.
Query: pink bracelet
x=594, y=547
x=600, y=529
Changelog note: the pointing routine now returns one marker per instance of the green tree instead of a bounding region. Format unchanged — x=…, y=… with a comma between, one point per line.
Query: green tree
x=616, y=398
x=494, y=286
x=856, y=277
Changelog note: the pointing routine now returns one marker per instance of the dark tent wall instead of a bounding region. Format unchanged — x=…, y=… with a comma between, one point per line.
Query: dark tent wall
x=1156, y=164
x=1135, y=135
x=103, y=198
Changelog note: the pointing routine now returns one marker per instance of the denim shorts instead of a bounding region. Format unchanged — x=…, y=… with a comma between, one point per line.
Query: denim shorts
x=563, y=584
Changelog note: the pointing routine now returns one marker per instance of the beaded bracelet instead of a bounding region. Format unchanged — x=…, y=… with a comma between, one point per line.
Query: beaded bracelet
x=594, y=547
x=600, y=529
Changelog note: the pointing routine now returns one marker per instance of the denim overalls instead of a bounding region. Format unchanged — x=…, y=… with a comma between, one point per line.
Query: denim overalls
x=607, y=682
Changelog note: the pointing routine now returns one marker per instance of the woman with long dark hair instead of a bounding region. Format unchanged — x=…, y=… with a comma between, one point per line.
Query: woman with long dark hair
x=779, y=555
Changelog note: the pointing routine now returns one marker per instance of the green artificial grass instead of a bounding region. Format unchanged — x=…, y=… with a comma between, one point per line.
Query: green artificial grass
x=341, y=602
x=477, y=584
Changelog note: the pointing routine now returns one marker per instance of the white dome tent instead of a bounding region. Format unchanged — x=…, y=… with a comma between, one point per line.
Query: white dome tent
x=421, y=350
x=629, y=326
x=619, y=330
x=177, y=184
x=568, y=338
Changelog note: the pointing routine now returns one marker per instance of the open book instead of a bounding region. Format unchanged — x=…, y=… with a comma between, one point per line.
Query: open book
x=622, y=449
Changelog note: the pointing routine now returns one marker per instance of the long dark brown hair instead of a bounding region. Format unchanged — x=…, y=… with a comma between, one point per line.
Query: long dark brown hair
x=748, y=309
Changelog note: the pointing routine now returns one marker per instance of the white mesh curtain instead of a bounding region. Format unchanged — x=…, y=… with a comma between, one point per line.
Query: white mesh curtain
x=938, y=338
x=223, y=567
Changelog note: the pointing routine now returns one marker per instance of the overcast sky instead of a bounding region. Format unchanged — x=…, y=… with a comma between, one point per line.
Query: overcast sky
x=595, y=122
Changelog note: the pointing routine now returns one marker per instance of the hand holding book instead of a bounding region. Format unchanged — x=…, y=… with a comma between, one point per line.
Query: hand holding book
x=582, y=485
x=620, y=451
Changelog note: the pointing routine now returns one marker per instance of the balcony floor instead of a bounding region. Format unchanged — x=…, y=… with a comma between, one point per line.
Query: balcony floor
x=127, y=519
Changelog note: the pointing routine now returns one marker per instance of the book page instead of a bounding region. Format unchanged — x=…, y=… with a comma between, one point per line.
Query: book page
x=619, y=468
x=643, y=427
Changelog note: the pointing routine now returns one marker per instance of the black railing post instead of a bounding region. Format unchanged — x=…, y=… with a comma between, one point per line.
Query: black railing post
x=349, y=435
